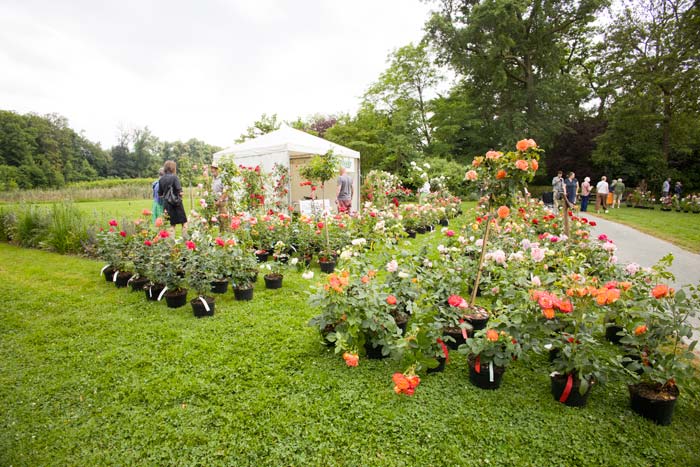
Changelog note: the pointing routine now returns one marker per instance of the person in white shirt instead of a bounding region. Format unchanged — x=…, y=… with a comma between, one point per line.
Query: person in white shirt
x=601, y=194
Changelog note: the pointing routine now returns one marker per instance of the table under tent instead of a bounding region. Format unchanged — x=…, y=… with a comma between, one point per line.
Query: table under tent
x=293, y=148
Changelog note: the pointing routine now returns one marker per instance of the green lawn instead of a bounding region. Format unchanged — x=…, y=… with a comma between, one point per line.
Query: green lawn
x=94, y=375
x=680, y=228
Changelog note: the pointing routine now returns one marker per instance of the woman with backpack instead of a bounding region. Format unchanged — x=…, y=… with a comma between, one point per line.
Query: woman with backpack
x=170, y=192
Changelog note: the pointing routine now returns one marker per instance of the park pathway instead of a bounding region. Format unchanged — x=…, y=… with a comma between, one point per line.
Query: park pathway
x=645, y=250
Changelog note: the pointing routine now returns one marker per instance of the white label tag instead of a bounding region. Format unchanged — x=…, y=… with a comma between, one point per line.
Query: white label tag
x=490, y=372
x=204, y=302
x=130, y=279
x=150, y=291
x=103, y=269
x=114, y=279
x=162, y=293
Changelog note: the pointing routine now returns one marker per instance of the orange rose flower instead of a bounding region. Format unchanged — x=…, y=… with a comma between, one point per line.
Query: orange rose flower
x=548, y=313
x=351, y=359
x=535, y=165
x=503, y=212
x=521, y=164
x=660, y=291
x=492, y=335
x=391, y=300
x=471, y=175
x=641, y=329
x=501, y=174
x=493, y=155
x=522, y=145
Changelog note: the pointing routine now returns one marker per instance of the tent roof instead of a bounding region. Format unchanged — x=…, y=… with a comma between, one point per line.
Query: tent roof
x=285, y=139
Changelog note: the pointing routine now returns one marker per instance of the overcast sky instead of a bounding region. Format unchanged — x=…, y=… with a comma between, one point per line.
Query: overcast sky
x=202, y=69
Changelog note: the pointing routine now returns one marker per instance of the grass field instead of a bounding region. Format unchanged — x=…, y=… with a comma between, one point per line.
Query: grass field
x=679, y=228
x=94, y=375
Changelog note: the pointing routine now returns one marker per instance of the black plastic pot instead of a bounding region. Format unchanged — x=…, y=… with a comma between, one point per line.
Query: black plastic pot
x=219, y=286
x=327, y=266
x=122, y=279
x=176, y=298
x=262, y=256
x=138, y=284
x=243, y=294
x=153, y=291
x=108, y=273
x=611, y=333
x=411, y=233
x=457, y=335
x=575, y=398
x=273, y=281
x=444, y=222
x=488, y=376
x=655, y=408
x=200, y=310
x=375, y=353
x=421, y=229
x=440, y=367
x=478, y=322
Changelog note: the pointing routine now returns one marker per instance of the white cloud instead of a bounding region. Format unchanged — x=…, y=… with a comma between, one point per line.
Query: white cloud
x=201, y=69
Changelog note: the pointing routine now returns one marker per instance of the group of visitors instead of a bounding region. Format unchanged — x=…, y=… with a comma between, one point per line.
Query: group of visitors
x=566, y=191
x=666, y=188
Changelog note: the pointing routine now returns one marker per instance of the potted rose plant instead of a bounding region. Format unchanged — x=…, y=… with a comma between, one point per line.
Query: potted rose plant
x=167, y=269
x=322, y=168
x=113, y=247
x=488, y=353
x=273, y=277
x=243, y=272
x=657, y=358
x=200, y=270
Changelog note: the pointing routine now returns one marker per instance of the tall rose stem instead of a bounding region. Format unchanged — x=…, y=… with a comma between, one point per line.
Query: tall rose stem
x=481, y=262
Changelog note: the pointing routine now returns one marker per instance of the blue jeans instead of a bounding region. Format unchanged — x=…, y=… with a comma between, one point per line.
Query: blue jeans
x=584, y=203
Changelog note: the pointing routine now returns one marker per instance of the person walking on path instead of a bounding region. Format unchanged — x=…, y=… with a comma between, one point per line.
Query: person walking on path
x=585, y=193
x=618, y=190
x=601, y=194
x=678, y=189
x=571, y=189
x=157, y=207
x=345, y=191
x=173, y=205
x=666, y=188
x=557, y=191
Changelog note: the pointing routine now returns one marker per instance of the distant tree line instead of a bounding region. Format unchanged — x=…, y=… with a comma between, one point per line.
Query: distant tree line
x=44, y=152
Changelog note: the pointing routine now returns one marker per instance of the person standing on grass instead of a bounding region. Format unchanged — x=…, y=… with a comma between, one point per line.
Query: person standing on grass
x=345, y=191
x=571, y=189
x=585, y=193
x=666, y=188
x=557, y=191
x=618, y=190
x=175, y=208
x=678, y=189
x=157, y=208
x=601, y=194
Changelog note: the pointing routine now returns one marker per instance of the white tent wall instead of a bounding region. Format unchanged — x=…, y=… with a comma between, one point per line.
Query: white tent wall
x=292, y=148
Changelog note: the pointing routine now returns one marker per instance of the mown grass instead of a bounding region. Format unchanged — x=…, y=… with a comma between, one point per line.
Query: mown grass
x=94, y=375
x=680, y=228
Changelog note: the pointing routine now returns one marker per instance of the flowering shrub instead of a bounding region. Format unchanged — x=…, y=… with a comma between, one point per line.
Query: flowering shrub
x=167, y=267
x=656, y=353
x=113, y=246
x=492, y=346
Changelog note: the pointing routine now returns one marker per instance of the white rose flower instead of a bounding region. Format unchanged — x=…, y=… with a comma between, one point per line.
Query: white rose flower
x=308, y=275
x=392, y=266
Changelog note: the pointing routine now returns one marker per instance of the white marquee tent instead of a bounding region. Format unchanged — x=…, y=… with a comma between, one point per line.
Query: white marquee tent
x=293, y=148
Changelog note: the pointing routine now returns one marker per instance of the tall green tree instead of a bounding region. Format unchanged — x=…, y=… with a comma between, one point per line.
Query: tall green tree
x=654, y=48
x=264, y=125
x=517, y=60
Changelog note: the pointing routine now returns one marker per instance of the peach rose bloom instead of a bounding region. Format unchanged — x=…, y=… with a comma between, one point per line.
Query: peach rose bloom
x=503, y=212
x=521, y=164
x=471, y=175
